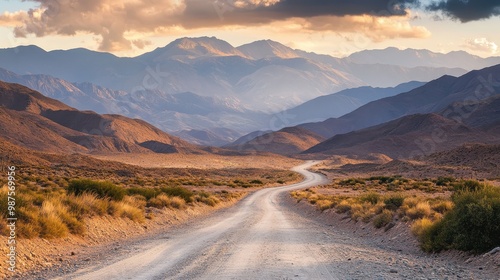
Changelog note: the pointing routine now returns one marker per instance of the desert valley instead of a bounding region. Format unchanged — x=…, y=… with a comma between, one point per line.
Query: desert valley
x=199, y=159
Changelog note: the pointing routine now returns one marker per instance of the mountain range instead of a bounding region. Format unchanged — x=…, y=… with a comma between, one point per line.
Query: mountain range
x=429, y=98
x=264, y=75
x=211, y=93
x=442, y=114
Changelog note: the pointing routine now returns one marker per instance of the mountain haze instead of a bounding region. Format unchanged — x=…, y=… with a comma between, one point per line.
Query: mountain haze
x=416, y=58
x=431, y=97
x=281, y=76
x=341, y=103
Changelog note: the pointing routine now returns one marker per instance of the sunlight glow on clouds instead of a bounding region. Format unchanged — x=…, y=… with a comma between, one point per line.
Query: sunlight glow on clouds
x=113, y=19
x=482, y=45
x=130, y=26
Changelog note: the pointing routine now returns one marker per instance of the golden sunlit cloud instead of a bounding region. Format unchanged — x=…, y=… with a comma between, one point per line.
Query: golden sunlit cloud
x=481, y=45
x=12, y=19
x=114, y=20
x=376, y=29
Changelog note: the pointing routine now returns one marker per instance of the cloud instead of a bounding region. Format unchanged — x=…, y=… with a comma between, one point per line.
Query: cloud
x=482, y=45
x=376, y=28
x=12, y=19
x=467, y=10
x=112, y=20
x=312, y=8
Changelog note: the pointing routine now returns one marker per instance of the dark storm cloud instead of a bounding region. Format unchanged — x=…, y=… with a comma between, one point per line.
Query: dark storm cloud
x=467, y=10
x=311, y=8
x=265, y=11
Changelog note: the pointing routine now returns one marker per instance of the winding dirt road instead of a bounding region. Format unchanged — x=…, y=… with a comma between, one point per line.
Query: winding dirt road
x=262, y=238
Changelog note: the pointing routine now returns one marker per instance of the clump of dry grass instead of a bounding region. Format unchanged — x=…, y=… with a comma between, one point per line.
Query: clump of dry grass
x=421, y=226
x=420, y=210
x=125, y=210
x=324, y=204
x=178, y=203
x=161, y=201
x=442, y=206
x=343, y=206
x=87, y=204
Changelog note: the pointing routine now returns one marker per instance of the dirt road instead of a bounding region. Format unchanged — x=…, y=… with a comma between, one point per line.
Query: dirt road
x=261, y=238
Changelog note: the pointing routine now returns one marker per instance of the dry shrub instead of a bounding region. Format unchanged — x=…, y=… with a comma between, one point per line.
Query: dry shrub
x=371, y=197
x=442, y=206
x=313, y=198
x=410, y=202
x=421, y=210
x=324, y=204
x=87, y=204
x=74, y=225
x=393, y=202
x=136, y=201
x=357, y=211
x=177, y=202
x=211, y=200
x=160, y=201
x=421, y=227
x=343, y=206
x=52, y=227
x=383, y=218
x=124, y=210
x=29, y=225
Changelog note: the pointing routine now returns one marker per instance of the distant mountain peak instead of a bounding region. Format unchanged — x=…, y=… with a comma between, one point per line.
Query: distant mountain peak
x=266, y=49
x=190, y=48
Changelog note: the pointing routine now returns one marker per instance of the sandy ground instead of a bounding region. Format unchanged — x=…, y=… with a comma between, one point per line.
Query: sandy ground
x=269, y=236
x=202, y=161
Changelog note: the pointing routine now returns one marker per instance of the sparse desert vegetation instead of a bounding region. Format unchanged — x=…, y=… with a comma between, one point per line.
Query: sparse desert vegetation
x=55, y=201
x=443, y=213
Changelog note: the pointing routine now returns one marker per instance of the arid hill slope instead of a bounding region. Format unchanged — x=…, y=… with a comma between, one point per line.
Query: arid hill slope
x=27, y=118
x=287, y=141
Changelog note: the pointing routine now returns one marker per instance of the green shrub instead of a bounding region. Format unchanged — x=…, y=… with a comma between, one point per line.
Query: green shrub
x=472, y=225
x=147, y=193
x=256, y=182
x=100, y=189
x=467, y=186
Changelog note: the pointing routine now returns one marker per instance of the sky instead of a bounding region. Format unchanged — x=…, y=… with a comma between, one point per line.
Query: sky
x=334, y=27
